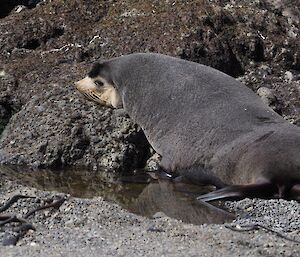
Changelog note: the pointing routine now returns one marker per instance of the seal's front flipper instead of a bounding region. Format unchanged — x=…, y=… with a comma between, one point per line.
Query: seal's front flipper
x=160, y=174
x=240, y=191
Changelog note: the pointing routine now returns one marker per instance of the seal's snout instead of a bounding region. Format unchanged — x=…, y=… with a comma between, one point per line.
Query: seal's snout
x=77, y=85
x=85, y=84
x=104, y=95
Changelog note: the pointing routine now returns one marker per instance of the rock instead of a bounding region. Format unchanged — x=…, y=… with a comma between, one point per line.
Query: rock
x=75, y=133
x=153, y=162
x=267, y=95
x=255, y=40
x=20, y=8
x=288, y=76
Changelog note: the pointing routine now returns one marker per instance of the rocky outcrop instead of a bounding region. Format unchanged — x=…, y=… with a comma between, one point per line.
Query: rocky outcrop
x=55, y=129
x=48, y=45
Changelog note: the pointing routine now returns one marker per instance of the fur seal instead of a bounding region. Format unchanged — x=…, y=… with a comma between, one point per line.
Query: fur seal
x=208, y=127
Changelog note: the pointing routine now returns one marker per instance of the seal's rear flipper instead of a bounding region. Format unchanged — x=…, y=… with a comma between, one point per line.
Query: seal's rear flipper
x=239, y=191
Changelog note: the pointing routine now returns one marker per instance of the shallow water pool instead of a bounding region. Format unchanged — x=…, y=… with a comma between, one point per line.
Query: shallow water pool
x=148, y=199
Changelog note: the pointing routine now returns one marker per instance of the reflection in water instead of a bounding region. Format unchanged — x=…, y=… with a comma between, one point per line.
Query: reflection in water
x=175, y=200
x=166, y=197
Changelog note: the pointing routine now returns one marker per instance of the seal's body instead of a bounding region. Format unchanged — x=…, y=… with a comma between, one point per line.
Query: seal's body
x=207, y=126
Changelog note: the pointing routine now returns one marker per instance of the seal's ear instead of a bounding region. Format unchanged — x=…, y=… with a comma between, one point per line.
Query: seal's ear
x=96, y=70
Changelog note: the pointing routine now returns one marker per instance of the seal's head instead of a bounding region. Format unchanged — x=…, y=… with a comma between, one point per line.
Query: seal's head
x=98, y=87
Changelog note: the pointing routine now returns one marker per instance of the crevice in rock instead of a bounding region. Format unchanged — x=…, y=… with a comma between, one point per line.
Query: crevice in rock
x=8, y=5
x=142, y=151
x=258, y=52
x=9, y=104
x=57, y=32
x=34, y=43
x=223, y=59
x=6, y=112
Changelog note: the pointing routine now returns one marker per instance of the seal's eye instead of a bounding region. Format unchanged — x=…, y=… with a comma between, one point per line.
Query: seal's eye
x=99, y=83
